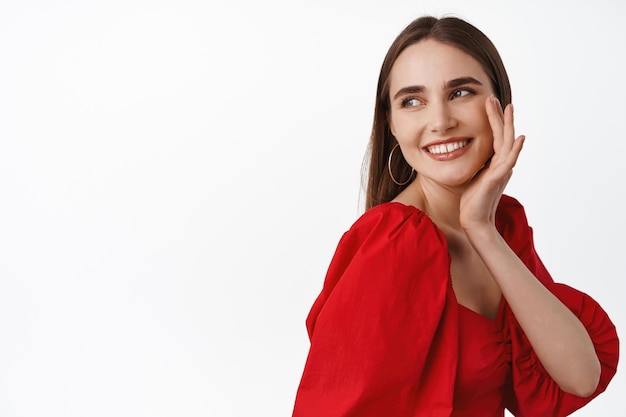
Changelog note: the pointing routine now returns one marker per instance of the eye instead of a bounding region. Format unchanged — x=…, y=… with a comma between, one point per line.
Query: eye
x=410, y=102
x=462, y=92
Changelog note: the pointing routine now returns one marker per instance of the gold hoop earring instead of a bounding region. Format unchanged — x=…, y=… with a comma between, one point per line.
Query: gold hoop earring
x=389, y=168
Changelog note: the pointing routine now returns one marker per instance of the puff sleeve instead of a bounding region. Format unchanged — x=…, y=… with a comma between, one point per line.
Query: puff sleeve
x=535, y=394
x=383, y=330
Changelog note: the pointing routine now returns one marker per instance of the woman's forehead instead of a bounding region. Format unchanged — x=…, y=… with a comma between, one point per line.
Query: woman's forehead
x=432, y=64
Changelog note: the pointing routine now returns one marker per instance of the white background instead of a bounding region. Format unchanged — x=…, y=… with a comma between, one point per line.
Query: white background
x=175, y=176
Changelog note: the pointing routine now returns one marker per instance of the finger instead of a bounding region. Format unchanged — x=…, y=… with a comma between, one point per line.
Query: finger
x=508, y=160
x=516, y=149
x=495, y=117
x=494, y=112
x=511, y=158
x=509, y=125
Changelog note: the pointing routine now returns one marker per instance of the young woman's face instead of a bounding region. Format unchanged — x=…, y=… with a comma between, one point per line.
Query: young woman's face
x=437, y=94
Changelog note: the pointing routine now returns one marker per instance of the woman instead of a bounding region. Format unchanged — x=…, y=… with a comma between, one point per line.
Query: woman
x=435, y=302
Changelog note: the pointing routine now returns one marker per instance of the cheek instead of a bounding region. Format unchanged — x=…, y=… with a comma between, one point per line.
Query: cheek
x=404, y=124
x=482, y=121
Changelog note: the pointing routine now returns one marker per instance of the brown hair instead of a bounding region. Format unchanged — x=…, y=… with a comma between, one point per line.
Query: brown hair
x=450, y=30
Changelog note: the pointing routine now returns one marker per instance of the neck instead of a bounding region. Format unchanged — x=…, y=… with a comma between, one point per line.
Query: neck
x=440, y=203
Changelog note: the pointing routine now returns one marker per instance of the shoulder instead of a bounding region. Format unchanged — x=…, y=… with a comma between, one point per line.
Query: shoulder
x=511, y=218
x=387, y=237
x=394, y=222
x=390, y=212
x=379, y=257
x=509, y=209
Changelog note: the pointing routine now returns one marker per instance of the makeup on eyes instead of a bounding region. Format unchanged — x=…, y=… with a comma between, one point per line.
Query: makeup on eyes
x=404, y=102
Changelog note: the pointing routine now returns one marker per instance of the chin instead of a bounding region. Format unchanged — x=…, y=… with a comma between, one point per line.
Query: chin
x=455, y=180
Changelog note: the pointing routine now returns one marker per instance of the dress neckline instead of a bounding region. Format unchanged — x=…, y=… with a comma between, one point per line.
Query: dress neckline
x=502, y=300
x=476, y=313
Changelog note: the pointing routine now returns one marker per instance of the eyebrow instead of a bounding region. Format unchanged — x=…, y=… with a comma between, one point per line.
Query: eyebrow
x=457, y=82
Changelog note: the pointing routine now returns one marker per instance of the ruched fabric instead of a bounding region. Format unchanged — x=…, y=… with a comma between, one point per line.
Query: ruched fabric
x=535, y=392
x=385, y=338
x=484, y=367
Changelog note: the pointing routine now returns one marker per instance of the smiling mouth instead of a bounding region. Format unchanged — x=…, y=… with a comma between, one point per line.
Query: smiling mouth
x=447, y=147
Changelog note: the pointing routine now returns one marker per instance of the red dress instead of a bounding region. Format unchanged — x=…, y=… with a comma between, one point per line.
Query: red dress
x=388, y=337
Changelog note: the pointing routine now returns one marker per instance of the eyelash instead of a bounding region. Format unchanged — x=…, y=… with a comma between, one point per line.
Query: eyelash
x=469, y=90
x=405, y=102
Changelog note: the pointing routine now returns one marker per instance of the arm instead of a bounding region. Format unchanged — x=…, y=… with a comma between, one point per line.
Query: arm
x=383, y=330
x=559, y=339
x=534, y=392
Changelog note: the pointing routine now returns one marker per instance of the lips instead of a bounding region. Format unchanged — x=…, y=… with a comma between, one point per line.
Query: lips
x=447, y=146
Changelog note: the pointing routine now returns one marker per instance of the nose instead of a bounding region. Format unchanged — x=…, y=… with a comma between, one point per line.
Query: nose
x=441, y=118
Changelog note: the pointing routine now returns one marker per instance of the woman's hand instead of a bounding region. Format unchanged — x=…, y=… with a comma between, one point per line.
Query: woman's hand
x=561, y=342
x=480, y=200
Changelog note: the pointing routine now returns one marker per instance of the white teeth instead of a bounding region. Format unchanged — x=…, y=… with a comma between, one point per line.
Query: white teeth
x=448, y=147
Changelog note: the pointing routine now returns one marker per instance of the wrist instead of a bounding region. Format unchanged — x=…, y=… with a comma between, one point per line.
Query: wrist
x=481, y=232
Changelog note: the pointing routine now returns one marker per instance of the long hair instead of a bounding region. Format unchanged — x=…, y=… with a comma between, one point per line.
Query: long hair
x=452, y=31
